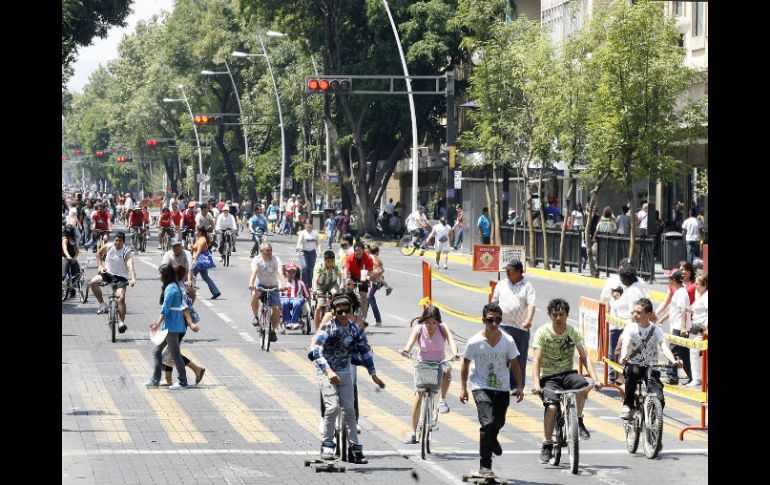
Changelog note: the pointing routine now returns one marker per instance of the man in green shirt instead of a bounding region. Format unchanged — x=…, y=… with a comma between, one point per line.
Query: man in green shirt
x=553, y=370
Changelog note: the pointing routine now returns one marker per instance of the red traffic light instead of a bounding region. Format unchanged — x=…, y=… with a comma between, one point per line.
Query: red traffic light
x=99, y=153
x=330, y=85
x=76, y=152
x=313, y=85
x=121, y=159
x=152, y=143
x=324, y=84
x=202, y=119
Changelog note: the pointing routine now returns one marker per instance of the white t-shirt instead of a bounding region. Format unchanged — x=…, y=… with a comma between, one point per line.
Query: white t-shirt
x=267, y=271
x=115, y=260
x=490, y=364
x=442, y=230
x=577, y=219
x=700, y=308
x=649, y=354
x=307, y=241
x=514, y=300
x=184, y=259
x=129, y=203
x=72, y=217
x=693, y=227
x=225, y=222
x=642, y=217
x=415, y=221
x=679, y=302
x=206, y=221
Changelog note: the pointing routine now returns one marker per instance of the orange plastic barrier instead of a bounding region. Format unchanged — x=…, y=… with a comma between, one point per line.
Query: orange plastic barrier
x=426, y=281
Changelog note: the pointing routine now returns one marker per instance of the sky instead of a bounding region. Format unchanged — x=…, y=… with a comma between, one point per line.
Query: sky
x=103, y=50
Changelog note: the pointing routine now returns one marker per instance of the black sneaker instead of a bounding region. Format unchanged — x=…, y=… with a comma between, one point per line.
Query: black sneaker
x=273, y=336
x=545, y=452
x=497, y=449
x=388, y=290
x=356, y=455
x=122, y=327
x=582, y=431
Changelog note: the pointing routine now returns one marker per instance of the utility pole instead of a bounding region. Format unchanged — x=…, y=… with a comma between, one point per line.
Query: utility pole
x=450, y=141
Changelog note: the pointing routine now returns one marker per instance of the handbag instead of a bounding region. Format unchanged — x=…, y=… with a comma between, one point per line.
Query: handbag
x=696, y=329
x=187, y=303
x=443, y=238
x=272, y=217
x=204, y=261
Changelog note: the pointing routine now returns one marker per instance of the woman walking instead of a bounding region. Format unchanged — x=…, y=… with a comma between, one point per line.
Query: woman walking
x=307, y=248
x=202, y=260
x=272, y=214
x=441, y=234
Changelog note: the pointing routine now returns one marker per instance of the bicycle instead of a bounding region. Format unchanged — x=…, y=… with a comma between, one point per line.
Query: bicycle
x=101, y=238
x=565, y=430
x=227, y=245
x=427, y=381
x=410, y=242
x=138, y=239
x=264, y=321
x=188, y=234
x=75, y=283
x=647, y=416
x=258, y=239
x=314, y=303
x=165, y=235
x=341, y=450
x=112, y=314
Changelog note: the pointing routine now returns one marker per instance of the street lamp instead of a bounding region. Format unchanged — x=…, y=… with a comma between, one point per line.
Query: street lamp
x=237, y=98
x=197, y=139
x=411, y=106
x=277, y=102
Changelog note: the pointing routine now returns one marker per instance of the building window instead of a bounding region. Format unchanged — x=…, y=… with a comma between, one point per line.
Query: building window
x=698, y=18
x=677, y=8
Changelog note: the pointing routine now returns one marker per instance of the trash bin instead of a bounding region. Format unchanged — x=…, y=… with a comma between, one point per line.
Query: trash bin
x=673, y=249
x=317, y=218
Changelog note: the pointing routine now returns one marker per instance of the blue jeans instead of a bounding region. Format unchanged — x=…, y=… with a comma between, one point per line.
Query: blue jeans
x=205, y=275
x=614, y=338
x=458, y=238
x=307, y=273
x=330, y=236
x=291, y=309
x=521, y=338
x=373, y=302
x=693, y=250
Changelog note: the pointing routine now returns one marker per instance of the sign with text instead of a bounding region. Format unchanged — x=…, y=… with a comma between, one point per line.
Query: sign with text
x=450, y=193
x=491, y=257
x=458, y=179
x=588, y=324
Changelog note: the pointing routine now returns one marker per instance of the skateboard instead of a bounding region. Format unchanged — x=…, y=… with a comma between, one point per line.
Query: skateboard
x=320, y=465
x=476, y=478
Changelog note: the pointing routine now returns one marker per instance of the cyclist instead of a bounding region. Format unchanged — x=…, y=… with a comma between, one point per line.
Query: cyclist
x=165, y=225
x=354, y=264
x=327, y=279
x=176, y=218
x=293, y=298
x=493, y=353
x=188, y=220
x=418, y=227
x=225, y=222
x=257, y=226
x=640, y=343
x=432, y=336
x=334, y=345
x=552, y=370
x=206, y=219
x=69, y=254
x=121, y=207
x=100, y=221
x=116, y=264
x=129, y=203
x=136, y=221
x=266, y=273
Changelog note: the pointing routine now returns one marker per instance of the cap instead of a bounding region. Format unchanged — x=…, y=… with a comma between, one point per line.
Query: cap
x=176, y=241
x=430, y=311
x=676, y=275
x=514, y=264
x=226, y=208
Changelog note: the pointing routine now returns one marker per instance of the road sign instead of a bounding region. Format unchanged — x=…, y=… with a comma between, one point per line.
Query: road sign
x=334, y=178
x=589, y=314
x=458, y=179
x=450, y=193
x=491, y=257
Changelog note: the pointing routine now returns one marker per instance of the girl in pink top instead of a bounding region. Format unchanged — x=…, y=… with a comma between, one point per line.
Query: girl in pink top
x=432, y=336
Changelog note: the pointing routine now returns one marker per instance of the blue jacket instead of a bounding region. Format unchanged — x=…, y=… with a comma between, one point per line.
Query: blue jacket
x=336, y=345
x=173, y=320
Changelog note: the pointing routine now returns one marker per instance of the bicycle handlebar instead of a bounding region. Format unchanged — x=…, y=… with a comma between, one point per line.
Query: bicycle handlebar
x=411, y=356
x=565, y=391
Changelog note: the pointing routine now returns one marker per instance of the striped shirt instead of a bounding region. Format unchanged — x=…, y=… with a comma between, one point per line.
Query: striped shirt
x=295, y=289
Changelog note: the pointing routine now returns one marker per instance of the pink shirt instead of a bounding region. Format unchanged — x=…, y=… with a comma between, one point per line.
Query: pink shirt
x=431, y=348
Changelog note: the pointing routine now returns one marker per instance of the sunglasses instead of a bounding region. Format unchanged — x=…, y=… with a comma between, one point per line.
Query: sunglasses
x=493, y=320
x=342, y=311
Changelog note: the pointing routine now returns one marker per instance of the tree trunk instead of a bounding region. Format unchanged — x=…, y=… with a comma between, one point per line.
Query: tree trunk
x=168, y=165
x=632, y=210
x=496, y=210
x=564, y=224
x=531, y=260
x=587, y=229
x=546, y=262
x=486, y=192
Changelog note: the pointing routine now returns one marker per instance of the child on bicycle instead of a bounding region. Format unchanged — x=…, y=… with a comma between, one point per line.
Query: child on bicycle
x=552, y=370
x=327, y=278
x=335, y=343
x=432, y=336
x=640, y=342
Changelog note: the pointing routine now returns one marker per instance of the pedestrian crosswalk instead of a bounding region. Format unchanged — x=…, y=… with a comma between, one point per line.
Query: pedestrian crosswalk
x=251, y=398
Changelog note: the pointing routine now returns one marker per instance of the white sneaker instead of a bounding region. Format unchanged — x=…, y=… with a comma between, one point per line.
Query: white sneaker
x=625, y=413
x=443, y=407
x=694, y=383
x=445, y=267
x=411, y=438
x=102, y=308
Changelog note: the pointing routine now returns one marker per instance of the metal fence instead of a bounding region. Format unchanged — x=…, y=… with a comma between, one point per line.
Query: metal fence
x=609, y=251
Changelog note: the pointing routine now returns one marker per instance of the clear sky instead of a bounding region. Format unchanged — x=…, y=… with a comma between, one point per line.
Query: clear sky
x=102, y=50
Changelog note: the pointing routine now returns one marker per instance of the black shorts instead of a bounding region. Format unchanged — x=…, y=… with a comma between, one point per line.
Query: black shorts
x=363, y=287
x=111, y=278
x=559, y=382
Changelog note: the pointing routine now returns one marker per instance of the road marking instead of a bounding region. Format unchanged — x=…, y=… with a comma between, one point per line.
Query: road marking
x=384, y=420
x=229, y=321
x=207, y=303
x=404, y=272
x=396, y=317
x=314, y=452
x=296, y=407
x=148, y=263
x=170, y=413
x=101, y=409
x=238, y=414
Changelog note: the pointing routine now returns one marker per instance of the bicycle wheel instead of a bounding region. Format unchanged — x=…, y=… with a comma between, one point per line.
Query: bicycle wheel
x=558, y=438
x=226, y=254
x=82, y=290
x=632, y=434
x=425, y=431
x=65, y=290
x=653, y=429
x=571, y=423
x=407, y=248
x=144, y=242
x=113, y=318
x=343, y=443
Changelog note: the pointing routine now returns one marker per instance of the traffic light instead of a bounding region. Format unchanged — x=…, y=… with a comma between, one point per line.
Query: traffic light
x=76, y=152
x=152, y=143
x=329, y=85
x=100, y=153
x=123, y=159
x=206, y=119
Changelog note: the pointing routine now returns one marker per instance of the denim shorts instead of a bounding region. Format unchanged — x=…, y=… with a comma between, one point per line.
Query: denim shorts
x=275, y=297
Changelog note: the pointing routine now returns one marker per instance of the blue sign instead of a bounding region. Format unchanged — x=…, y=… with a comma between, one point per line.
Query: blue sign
x=450, y=193
x=335, y=179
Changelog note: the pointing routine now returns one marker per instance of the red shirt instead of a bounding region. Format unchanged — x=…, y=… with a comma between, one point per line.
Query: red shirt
x=354, y=265
x=101, y=220
x=690, y=287
x=176, y=217
x=135, y=219
x=189, y=217
x=165, y=220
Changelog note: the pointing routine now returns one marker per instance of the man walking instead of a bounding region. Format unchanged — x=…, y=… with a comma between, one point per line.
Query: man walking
x=691, y=230
x=484, y=225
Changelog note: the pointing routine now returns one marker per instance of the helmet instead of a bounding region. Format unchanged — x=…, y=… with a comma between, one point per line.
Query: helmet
x=291, y=267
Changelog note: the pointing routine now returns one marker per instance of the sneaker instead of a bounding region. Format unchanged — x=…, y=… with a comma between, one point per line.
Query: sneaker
x=625, y=413
x=273, y=336
x=411, y=438
x=378, y=324
x=283, y=331
x=122, y=327
x=358, y=428
x=545, y=452
x=177, y=387
x=443, y=407
x=486, y=472
x=356, y=455
x=214, y=297
x=150, y=383
x=388, y=290
x=102, y=308
x=445, y=267
x=497, y=449
x=321, y=426
x=327, y=450
x=582, y=431
x=695, y=383
x=435, y=265
x=673, y=382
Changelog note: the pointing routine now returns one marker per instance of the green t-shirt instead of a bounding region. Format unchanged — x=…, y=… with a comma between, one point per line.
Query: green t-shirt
x=557, y=350
x=327, y=276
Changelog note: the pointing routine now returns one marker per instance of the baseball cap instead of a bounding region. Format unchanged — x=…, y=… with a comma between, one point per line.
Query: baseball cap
x=514, y=264
x=676, y=275
x=430, y=311
x=226, y=208
x=176, y=241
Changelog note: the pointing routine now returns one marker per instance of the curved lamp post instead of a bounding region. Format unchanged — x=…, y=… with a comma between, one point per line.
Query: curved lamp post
x=197, y=139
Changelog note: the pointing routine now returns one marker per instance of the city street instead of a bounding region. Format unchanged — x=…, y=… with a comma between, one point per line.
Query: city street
x=254, y=416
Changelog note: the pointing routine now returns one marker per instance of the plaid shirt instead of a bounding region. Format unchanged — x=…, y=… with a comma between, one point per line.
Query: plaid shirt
x=337, y=344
